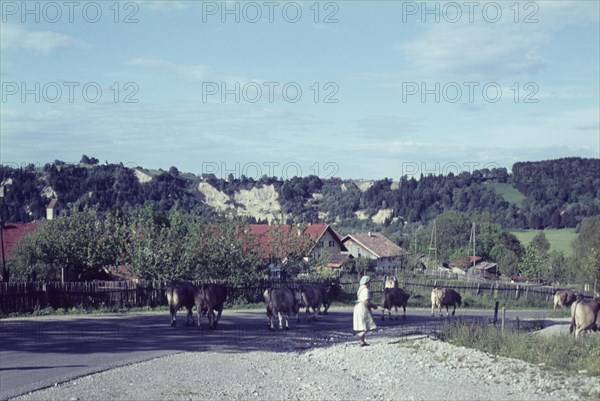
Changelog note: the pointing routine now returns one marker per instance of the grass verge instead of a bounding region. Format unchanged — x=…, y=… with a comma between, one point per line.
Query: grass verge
x=559, y=352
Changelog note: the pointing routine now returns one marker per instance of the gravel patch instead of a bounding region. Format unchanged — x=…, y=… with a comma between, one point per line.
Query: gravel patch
x=407, y=368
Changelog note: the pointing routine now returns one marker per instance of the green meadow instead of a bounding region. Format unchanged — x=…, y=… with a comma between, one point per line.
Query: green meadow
x=560, y=240
x=508, y=192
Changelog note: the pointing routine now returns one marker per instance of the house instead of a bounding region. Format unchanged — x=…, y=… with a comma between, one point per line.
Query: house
x=383, y=252
x=475, y=265
x=318, y=242
x=12, y=233
x=52, y=209
x=485, y=269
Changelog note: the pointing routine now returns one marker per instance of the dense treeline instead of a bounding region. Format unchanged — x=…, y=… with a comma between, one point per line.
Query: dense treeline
x=557, y=193
x=84, y=245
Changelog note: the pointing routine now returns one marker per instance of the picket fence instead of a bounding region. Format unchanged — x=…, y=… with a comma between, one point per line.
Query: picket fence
x=26, y=297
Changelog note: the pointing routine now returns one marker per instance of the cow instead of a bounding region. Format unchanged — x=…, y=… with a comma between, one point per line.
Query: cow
x=393, y=297
x=564, y=298
x=390, y=282
x=210, y=297
x=585, y=315
x=329, y=291
x=312, y=298
x=444, y=297
x=180, y=294
x=281, y=301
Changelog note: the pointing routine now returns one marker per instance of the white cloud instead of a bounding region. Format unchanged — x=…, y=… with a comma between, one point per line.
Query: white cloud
x=192, y=73
x=475, y=51
x=38, y=42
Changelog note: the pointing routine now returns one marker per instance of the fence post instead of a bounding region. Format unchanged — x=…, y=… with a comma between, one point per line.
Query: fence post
x=45, y=296
x=496, y=312
x=503, y=318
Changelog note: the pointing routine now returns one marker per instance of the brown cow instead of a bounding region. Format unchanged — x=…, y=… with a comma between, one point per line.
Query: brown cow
x=585, y=315
x=281, y=301
x=390, y=282
x=564, y=298
x=444, y=297
x=210, y=297
x=312, y=298
x=180, y=294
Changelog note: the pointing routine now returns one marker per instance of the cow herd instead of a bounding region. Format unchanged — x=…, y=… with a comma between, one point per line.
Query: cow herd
x=209, y=300
x=286, y=302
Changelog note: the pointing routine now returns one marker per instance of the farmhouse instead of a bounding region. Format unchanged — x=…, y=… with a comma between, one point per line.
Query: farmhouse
x=475, y=265
x=12, y=233
x=382, y=252
x=318, y=242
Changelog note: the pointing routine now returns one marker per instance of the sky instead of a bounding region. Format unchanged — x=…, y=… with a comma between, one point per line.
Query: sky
x=350, y=89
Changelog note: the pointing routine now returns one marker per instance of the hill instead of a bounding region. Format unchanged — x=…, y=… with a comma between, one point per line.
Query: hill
x=548, y=194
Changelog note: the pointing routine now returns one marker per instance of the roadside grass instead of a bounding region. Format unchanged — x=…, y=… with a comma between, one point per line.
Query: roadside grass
x=560, y=352
x=560, y=240
x=78, y=310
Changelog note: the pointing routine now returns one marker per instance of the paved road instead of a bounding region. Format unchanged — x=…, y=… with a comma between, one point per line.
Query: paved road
x=39, y=352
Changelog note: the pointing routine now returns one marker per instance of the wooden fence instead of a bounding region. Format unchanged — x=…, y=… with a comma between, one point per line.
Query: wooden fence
x=26, y=297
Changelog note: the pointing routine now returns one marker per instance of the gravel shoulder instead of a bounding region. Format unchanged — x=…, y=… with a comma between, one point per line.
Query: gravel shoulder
x=391, y=368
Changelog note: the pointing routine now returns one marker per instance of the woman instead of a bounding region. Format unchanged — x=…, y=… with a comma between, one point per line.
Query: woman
x=363, y=321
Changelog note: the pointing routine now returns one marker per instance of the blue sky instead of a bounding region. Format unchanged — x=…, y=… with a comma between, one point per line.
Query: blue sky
x=354, y=89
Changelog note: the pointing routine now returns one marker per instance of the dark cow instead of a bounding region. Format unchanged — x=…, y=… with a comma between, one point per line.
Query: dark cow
x=180, y=294
x=444, y=297
x=210, y=297
x=585, y=315
x=564, y=298
x=312, y=298
x=281, y=301
x=329, y=291
x=393, y=298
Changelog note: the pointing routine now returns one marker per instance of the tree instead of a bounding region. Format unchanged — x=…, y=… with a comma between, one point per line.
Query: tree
x=507, y=260
x=541, y=243
x=531, y=265
x=77, y=246
x=452, y=230
x=558, y=267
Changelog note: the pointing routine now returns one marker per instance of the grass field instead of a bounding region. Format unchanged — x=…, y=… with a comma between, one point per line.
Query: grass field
x=560, y=240
x=508, y=192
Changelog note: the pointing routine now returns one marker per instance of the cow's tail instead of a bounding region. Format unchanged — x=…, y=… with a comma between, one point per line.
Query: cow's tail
x=573, y=313
x=170, y=292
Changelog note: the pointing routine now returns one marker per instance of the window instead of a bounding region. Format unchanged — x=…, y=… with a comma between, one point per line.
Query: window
x=331, y=244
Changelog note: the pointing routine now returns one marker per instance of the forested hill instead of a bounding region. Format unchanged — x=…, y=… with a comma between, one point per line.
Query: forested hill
x=553, y=193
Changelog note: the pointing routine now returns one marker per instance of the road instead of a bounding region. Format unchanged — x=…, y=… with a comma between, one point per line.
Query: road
x=39, y=352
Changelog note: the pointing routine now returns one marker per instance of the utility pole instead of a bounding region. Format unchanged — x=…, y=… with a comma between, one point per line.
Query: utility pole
x=433, y=243
x=5, y=275
x=472, y=244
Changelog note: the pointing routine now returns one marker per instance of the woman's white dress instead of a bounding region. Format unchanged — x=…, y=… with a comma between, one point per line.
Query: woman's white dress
x=363, y=321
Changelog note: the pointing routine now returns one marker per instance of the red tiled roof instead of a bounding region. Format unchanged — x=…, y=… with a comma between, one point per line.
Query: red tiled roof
x=268, y=236
x=13, y=233
x=377, y=243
